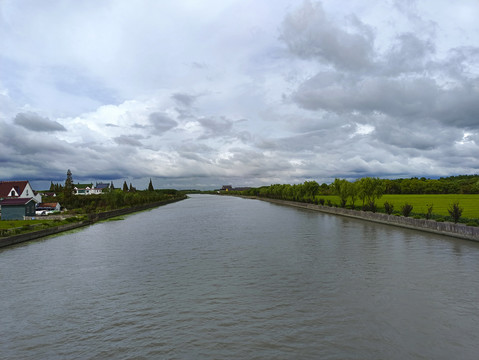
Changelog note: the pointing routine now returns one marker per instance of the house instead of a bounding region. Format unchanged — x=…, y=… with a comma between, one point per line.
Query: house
x=89, y=189
x=18, y=189
x=47, y=208
x=102, y=187
x=17, y=208
x=226, y=188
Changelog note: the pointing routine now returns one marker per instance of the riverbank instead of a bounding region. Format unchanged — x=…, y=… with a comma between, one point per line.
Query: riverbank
x=460, y=231
x=92, y=218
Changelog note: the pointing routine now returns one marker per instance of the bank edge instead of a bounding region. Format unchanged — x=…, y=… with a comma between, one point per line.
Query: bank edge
x=92, y=218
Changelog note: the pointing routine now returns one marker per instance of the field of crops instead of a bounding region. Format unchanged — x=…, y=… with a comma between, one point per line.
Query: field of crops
x=440, y=203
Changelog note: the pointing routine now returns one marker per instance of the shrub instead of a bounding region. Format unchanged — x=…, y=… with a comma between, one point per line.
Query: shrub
x=429, y=211
x=388, y=208
x=455, y=211
x=406, y=209
x=329, y=203
x=321, y=201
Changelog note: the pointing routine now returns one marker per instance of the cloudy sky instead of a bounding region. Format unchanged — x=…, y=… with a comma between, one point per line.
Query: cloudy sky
x=197, y=94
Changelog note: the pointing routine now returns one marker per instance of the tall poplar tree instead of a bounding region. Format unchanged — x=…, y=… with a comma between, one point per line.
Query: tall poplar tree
x=150, y=186
x=68, y=188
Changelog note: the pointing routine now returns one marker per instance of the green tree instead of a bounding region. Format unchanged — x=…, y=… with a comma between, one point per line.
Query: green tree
x=68, y=188
x=341, y=188
x=370, y=189
x=125, y=186
x=455, y=211
x=150, y=186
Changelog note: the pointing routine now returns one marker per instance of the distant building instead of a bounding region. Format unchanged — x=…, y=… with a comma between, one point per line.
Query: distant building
x=89, y=189
x=46, y=208
x=17, y=208
x=226, y=188
x=18, y=189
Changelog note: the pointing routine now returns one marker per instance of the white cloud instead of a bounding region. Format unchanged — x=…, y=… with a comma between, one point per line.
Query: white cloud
x=197, y=94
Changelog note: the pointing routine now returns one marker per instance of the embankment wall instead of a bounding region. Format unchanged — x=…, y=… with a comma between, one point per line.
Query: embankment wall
x=461, y=231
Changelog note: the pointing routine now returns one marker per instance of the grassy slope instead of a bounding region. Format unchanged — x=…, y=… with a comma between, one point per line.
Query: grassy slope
x=469, y=202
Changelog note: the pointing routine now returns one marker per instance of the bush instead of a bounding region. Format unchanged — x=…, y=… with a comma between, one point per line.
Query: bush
x=455, y=211
x=406, y=209
x=429, y=211
x=388, y=208
x=321, y=201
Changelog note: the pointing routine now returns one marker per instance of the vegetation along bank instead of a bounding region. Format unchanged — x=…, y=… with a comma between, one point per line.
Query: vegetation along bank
x=448, y=206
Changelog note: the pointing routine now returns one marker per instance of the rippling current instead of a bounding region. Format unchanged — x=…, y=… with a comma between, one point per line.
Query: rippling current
x=226, y=278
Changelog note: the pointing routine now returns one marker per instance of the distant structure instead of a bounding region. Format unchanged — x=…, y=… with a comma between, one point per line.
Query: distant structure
x=89, y=189
x=228, y=188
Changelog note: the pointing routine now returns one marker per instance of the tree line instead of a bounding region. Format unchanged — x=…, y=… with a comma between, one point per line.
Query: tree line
x=361, y=194
x=113, y=198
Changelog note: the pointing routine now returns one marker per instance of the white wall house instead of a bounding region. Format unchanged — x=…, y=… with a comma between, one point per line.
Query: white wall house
x=18, y=189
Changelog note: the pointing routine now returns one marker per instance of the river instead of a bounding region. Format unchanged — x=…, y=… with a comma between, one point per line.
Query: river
x=216, y=277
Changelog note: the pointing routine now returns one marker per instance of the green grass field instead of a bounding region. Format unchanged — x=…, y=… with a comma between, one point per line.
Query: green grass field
x=8, y=224
x=440, y=202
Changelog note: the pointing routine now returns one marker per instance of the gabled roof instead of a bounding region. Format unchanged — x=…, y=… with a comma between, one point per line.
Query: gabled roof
x=47, y=205
x=7, y=186
x=16, y=201
x=102, y=186
x=82, y=186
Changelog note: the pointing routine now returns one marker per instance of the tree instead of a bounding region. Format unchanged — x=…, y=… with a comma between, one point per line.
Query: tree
x=52, y=186
x=68, y=188
x=455, y=211
x=370, y=189
x=150, y=186
x=342, y=189
x=125, y=186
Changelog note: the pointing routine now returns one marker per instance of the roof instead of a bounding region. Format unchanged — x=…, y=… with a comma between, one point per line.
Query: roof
x=102, y=186
x=48, y=205
x=16, y=201
x=6, y=187
x=82, y=186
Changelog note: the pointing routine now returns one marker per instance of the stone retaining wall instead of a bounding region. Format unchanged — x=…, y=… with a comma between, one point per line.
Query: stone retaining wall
x=444, y=228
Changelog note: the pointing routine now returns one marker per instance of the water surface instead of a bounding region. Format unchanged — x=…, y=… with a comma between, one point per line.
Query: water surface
x=226, y=278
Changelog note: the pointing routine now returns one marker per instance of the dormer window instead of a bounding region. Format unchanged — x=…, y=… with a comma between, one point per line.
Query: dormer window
x=12, y=193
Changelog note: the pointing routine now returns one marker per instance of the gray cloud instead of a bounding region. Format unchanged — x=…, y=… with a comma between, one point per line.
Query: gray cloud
x=161, y=122
x=309, y=33
x=35, y=122
x=215, y=127
x=129, y=140
x=184, y=99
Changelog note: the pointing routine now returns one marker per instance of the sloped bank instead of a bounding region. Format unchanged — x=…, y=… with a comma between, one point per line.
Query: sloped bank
x=461, y=231
x=92, y=218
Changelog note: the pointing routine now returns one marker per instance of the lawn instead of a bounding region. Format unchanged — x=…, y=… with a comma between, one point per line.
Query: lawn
x=8, y=224
x=440, y=203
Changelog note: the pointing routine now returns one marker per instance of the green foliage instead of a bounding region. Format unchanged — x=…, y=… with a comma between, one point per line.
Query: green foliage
x=150, y=186
x=455, y=211
x=406, y=209
x=388, y=208
x=68, y=188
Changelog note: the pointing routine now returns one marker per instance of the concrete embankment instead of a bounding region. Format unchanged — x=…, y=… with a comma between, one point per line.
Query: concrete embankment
x=461, y=231
x=92, y=218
